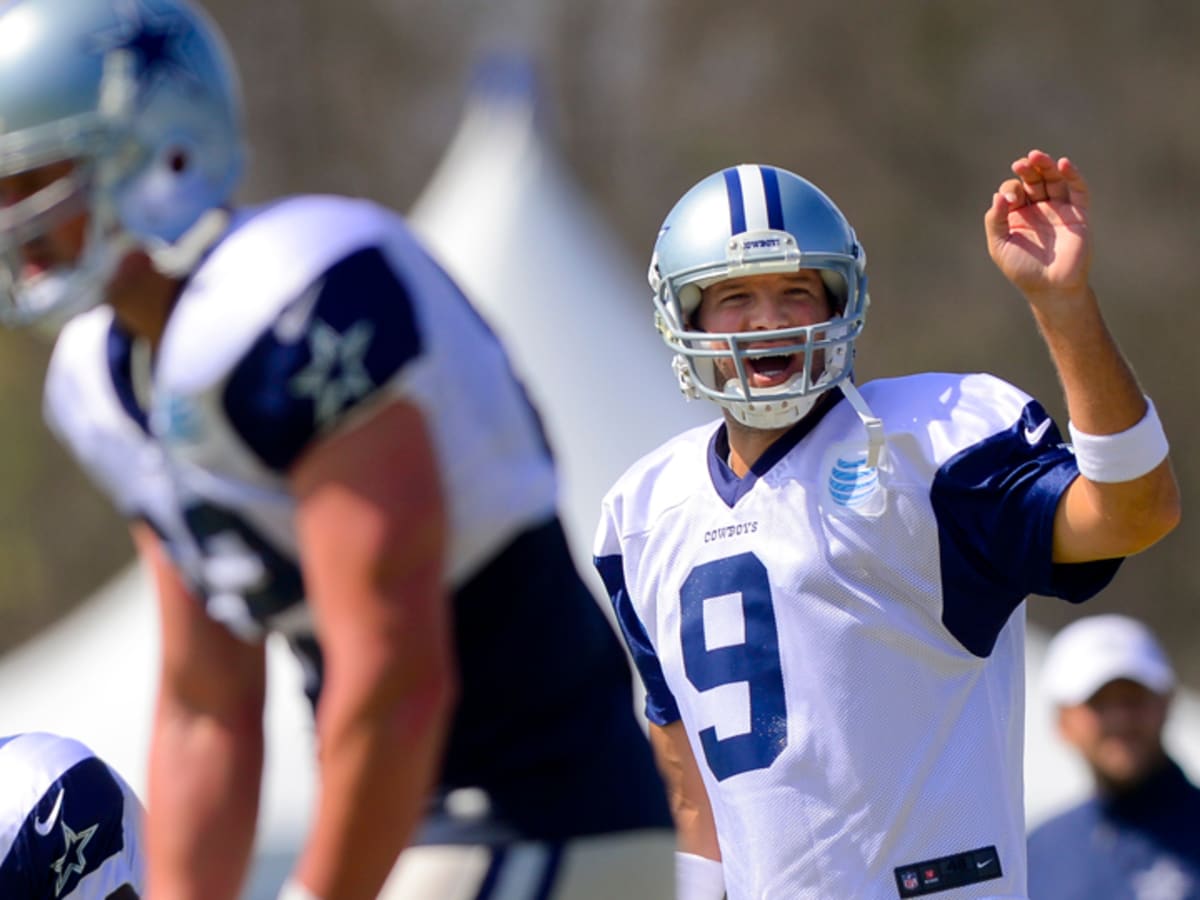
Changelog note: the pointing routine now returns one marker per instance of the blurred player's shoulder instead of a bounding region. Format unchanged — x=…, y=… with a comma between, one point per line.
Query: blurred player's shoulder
x=95, y=394
x=272, y=257
x=81, y=353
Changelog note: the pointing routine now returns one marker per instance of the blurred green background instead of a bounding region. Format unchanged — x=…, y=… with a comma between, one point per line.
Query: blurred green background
x=906, y=113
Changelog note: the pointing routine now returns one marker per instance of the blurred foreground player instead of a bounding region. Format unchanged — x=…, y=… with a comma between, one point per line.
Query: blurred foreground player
x=311, y=432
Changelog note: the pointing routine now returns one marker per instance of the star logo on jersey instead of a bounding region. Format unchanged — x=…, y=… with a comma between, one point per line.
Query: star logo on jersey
x=336, y=374
x=76, y=842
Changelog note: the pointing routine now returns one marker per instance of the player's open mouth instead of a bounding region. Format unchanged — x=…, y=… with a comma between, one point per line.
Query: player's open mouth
x=767, y=371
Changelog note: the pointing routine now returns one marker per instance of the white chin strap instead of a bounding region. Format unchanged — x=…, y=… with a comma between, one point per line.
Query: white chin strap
x=871, y=422
x=179, y=259
x=769, y=414
x=784, y=413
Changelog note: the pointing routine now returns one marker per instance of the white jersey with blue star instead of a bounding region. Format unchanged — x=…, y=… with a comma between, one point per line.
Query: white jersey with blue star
x=70, y=827
x=310, y=314
x=843, y=644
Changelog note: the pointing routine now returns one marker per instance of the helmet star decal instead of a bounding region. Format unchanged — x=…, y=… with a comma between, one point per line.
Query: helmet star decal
x=151, y=39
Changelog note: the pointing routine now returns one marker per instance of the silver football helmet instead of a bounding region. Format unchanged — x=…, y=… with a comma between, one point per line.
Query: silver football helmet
x=750, y=220
x=140, y=99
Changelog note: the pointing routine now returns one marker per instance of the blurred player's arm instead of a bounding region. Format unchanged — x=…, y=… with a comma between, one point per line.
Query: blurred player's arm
x=207, y=744
x=371, y=524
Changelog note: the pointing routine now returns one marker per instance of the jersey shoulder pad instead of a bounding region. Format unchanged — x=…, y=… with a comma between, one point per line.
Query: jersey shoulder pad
x=948, y=412
x=658, y=481
x=316, y=342
x=271, y=256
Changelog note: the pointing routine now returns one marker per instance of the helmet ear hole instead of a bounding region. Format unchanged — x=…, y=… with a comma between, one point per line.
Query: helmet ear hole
x=178, y=160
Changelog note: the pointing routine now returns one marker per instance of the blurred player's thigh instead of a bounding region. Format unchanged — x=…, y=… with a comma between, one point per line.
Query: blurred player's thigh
x=632, y=865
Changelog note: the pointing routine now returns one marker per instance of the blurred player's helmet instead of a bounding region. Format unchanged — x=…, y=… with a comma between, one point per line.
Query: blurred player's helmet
x=751, y=220
x=142, y=98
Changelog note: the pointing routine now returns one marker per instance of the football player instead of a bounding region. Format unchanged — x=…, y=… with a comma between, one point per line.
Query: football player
x=70, y=827
x=311, y=432
x=823, y=590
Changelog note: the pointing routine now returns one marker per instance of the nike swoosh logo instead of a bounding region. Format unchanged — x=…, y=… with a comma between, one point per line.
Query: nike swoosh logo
x=985, y=863
x=292, y=323
x=1033, y=435
x=43, y=826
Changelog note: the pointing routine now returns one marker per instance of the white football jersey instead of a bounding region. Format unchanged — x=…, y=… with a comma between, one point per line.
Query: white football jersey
x=278, y=338
x=70, y=827
x=306, y=317
x=844, y=644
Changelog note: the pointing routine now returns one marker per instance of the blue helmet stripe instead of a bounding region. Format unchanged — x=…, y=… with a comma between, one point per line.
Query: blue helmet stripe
x=770, y=180
x=737, y=206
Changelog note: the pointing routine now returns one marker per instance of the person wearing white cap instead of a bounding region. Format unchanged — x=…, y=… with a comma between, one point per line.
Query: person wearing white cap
x=1138, y=837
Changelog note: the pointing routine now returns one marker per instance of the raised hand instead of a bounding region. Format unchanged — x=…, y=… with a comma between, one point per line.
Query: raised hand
x=1037, y=227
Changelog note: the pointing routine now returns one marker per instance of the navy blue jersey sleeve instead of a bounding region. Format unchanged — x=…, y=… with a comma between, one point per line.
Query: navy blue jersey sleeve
x=995, y=504
x=328, y=350
x=661, y=708
x=77, y=824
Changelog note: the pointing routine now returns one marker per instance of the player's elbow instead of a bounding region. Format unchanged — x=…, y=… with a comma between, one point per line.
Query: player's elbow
x=1157, y=516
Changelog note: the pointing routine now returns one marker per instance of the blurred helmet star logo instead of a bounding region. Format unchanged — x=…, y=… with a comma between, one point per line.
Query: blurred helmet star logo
x=76, y=841
x=336, y=374
x=151, y=39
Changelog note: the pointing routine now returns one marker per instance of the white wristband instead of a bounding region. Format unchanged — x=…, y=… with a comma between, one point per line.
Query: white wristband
x=294, y=890
x=698, y=877
x=1123, y=456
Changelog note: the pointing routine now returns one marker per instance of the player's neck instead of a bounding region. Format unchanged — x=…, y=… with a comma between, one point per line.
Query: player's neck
x=747, y=445
x=143, y=311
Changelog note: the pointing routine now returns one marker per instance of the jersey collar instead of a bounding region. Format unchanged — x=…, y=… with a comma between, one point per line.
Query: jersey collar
x=726, y=482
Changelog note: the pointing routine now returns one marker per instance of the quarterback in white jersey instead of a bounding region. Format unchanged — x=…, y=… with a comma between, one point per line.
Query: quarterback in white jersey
x=822, y=592
x=312, y=432
x=70, y=827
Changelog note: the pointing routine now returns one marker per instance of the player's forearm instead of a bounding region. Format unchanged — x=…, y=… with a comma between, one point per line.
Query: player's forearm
x=695, y=828
x=1100, y=388
x=1104, y=399
x=379, y=758
x=203, y=804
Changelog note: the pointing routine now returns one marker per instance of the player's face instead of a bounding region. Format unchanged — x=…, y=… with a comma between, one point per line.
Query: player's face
x=1118, y=731
x=765, y=303
x=134, y=289
x=60, y=244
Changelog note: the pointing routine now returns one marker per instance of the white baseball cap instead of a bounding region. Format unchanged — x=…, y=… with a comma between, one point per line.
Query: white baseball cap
x=1091, y=652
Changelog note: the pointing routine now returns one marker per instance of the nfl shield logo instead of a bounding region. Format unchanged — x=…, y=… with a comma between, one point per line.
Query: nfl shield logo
x=909, y=880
